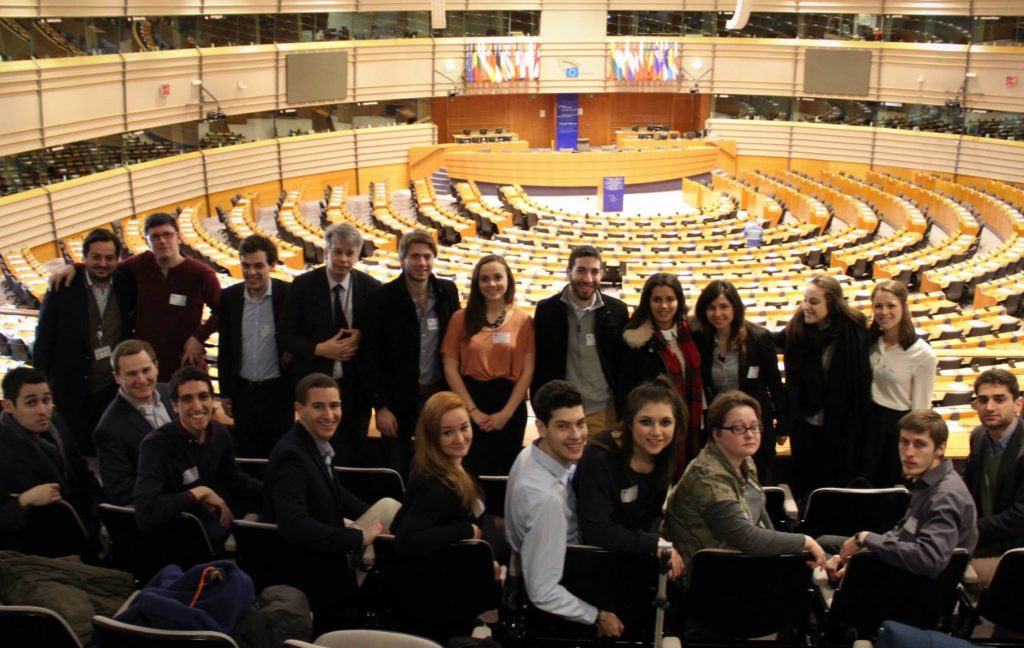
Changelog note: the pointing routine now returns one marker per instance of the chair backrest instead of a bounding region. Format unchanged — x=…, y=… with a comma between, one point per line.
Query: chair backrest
x=183, y=542
x=28, y=625
x=115, y=634
x=441, y=593
x=1000, y=603
x=775, y=504
x=371, y=639
x=772, y=590
x=494, y=487
x=845, y=511
x=253, y=466
x=623, y=583
x=873, y=591
x=371, y=484
x=269, y=560
x=54, y=530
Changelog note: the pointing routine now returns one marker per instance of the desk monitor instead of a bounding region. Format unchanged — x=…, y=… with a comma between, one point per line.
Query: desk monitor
x=467, y=131
x=635, y=128
x=483, y=131
x=499, y=130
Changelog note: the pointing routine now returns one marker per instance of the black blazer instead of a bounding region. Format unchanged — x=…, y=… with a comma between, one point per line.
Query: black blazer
x=229, y=345
x=63, y=346
x=551, y=328
x=392, y=342
x=308, y=505
x=309, y=319
x=1004, y=529
x=117, y=437
x=431, y=518
x=23, y=464
x=766, y=387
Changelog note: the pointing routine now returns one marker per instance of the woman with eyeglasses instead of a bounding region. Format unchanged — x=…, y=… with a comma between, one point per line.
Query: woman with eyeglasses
x=488, y=360
x=737, y=354
x=903, y=378
x=656, y=341
x=719, y=504
x=624, y=475
x=828, y=385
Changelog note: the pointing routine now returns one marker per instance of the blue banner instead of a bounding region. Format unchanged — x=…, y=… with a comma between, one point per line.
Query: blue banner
x=567, y=121
x=613, y=188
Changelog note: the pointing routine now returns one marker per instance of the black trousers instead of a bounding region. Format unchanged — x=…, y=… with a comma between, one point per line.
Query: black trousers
x=350, y=440
x=263, y=411
x=879, y=458
x=819, y=457
x=493, y=453
x=83, y=421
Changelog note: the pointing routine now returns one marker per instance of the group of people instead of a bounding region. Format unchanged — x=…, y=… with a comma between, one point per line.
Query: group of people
x=654, y=428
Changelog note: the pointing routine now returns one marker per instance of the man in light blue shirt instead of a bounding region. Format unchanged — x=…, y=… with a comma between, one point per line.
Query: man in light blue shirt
x=540, y=509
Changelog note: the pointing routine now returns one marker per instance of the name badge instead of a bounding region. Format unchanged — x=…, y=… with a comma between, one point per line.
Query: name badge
x=753, y=372
x=503, y=337
x=590, y=339
x=433, y=324
x=910, y=526
x=101, y=353
x=627, y=495
x=190, y=476
x=178, y=300
x=265, y=330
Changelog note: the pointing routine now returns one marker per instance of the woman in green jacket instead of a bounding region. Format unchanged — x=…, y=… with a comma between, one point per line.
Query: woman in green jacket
x=719, y=504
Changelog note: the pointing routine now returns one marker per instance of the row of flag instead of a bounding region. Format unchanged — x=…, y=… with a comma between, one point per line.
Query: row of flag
x=644, y=61
x=502, y=62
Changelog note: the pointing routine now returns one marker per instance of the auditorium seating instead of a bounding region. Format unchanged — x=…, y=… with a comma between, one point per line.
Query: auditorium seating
x=30, y=625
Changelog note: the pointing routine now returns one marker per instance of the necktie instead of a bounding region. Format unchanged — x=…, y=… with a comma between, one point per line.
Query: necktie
x=340, y=321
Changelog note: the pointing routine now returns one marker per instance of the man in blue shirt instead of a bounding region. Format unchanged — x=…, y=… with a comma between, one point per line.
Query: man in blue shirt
x=540, y=509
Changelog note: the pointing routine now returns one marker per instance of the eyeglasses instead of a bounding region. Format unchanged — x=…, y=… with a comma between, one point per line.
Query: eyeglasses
x=742, y=429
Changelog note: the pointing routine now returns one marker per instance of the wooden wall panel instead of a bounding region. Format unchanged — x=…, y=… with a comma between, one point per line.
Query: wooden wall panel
x=312, y=186
x=598, y=117
x=82, y=97
x=405, y=68
x=25, y=219
x=311, y=154
x=19, y=95
x=517, y=113
x=387, y=146
x=992, y=158
x=84, y=203
x=243, y=79
x=32, y=8
x=822, y=142
x=145, y=74
x=242, y=164
x=159, y=183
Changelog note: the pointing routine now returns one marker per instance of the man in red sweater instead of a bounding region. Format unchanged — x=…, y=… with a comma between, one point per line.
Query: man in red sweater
x=172, y=290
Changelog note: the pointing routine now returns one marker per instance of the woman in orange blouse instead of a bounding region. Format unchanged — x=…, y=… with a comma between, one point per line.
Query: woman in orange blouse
x=488, y=358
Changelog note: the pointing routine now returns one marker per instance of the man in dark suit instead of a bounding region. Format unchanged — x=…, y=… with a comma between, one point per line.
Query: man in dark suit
x=189, y=465
x=302, y=494
x=77, y=331
x=141, y=406
x=39, y=461
x=322, y=329
x=407, y=321
x=253, y=387
x=995, y=469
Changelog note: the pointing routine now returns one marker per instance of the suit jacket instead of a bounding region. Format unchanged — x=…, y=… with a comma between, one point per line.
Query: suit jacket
x=392, y=342
x=766, y=387
x=24, y=464
x=431, y=518
x=1004, y=529
x=117, y=437
x=229, y=347
x=309, y=319
x=63, y=346
x=307, y=503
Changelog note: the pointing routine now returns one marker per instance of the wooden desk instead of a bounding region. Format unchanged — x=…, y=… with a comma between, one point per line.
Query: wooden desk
x=555, y=169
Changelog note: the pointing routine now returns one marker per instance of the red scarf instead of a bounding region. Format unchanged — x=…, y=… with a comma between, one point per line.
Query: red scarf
x=690, y=388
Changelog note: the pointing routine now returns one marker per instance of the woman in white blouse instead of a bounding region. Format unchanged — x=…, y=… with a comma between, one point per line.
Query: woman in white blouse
x=903, y=378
